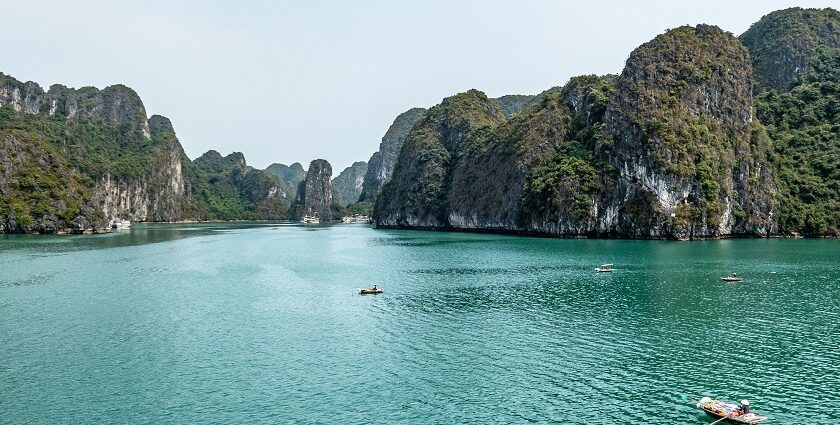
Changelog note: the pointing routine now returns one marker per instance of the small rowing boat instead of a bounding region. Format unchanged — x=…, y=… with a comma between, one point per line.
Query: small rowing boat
x=730, y=411
x=604, y=268
x=732, y=278
x=373, y=290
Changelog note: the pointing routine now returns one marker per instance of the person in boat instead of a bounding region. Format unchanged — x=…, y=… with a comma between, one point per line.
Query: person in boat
x=374, y=287
x=745, y=407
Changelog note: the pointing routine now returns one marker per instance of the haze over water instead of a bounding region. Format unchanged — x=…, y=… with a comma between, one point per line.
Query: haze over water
x=182, y=324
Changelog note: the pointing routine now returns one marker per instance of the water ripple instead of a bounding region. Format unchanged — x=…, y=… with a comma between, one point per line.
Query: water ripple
x=262, y=324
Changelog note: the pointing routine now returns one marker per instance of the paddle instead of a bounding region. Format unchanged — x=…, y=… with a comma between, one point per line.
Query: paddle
x=721, y=419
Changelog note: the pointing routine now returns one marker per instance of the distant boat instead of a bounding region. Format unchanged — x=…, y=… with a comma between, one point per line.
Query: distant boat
x=373, y=290
x=604, y=268
x=732, y=278
x=311, y=219
x=730, y=411
x=358, y=218
x=120, y=224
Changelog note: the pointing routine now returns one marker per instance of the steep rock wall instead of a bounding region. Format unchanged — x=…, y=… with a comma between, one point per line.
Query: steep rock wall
x=290, y=175
x=347, y=185
x=417, y=195
x=537, y=172
x=783, y=42
x=668, y=149
x=126, y=166
x=315, y=192
x=381, y=164
x=681, y=123
x=116, y=105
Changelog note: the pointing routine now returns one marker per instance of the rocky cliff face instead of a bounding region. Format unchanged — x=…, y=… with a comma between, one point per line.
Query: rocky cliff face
x=782, y=44
x=513, y=104
x=803, y=120
x=691, y=160
x=123, y=169
x=347, y=186
x=381, y=164
x=40, y=190
x=117, y=105
x=162, y=194
x=291, y=175
x=72, y=160
x=417, y=195
x=314, y=195
x=537, y=172
x=667, y=150
x=226, y=188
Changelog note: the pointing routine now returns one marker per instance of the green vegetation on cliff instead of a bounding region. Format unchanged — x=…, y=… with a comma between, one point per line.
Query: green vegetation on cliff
x=782, y=43
x=681, y=125
x=804, y=124
x=347, y=185
x=38, y=183
x=418, y=191
x=226, y=188
x=666, y=149
x=573, y=175
x=290, y=175
x=71, y=160
x=53, y=165
x=359, y=208
x=536, y=166
x=796, y=53
x=381, y=164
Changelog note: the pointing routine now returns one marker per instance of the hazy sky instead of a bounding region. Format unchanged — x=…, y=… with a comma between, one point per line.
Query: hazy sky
x=286, y=81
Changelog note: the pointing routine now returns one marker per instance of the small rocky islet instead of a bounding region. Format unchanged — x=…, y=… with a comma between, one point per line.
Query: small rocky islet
x=702, y=135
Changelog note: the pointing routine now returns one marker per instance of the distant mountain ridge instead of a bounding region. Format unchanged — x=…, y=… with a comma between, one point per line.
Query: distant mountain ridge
x=702, y=135
x=671, y=148
x=73, y=160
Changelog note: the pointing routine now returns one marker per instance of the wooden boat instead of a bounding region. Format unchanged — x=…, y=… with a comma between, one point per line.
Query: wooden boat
x=724, y=411
x=364, y=291
x=604, y=268
x=732, y=278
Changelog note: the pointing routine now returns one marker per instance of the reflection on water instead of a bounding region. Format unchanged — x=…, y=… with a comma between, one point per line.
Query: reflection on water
x=262, y=323
x=139, y=234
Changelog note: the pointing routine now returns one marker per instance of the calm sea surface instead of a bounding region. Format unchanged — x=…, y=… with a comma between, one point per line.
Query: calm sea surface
x=185, y=324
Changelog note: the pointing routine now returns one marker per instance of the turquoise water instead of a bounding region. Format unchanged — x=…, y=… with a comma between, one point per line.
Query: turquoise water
x=262, y=324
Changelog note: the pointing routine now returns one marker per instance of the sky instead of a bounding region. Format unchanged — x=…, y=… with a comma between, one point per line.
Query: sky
x=292, y=81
